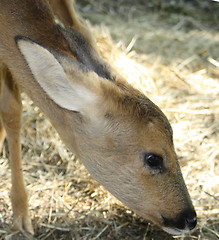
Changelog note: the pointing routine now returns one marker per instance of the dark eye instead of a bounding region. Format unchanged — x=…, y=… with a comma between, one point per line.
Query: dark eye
x=154, y=161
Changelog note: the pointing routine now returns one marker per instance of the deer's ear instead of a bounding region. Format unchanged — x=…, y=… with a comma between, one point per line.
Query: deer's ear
x=51, y=76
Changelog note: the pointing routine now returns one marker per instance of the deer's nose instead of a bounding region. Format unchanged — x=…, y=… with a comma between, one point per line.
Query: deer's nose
x=185, y=220
x=191, y=220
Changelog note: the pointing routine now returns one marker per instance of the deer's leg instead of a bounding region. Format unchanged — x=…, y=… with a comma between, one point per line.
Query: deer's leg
x=11, y=108
x=2, y=135
x=2, y=130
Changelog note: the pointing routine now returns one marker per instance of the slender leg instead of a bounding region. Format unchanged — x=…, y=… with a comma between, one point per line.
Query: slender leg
x=2, y=135
x=2, y=130
x=11, y=108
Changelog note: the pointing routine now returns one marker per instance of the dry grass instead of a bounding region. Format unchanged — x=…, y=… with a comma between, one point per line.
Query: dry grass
x=168, y=58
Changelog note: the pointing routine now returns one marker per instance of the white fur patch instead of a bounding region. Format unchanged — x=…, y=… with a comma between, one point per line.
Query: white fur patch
x=175, y=231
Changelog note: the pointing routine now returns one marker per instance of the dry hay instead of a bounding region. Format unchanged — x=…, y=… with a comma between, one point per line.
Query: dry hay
x=171, y=63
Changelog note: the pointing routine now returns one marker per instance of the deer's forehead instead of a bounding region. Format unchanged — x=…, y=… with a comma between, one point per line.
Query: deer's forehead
x=140, y=120
x=136, y=108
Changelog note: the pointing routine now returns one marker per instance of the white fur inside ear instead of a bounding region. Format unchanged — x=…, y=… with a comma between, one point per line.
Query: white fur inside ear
x=49, y=73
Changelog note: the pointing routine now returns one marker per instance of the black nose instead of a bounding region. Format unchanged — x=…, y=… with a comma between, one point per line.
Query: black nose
x=191, y=220
x=185, y=220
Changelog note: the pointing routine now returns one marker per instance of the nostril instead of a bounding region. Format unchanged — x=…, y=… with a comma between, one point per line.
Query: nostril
x=191, y=222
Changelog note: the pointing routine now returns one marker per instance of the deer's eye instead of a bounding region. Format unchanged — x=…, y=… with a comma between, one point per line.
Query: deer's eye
x=154, y=161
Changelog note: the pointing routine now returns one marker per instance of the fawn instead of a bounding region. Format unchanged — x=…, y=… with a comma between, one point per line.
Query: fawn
x=123, y=139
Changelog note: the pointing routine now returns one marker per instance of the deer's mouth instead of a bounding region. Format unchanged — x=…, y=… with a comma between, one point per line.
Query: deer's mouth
x=183, y=223
x=173, y=231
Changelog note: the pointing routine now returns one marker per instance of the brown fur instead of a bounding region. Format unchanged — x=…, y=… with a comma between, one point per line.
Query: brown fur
x=110, y=136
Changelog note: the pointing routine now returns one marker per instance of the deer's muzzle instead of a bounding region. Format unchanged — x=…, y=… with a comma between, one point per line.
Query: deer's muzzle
x=183, y=223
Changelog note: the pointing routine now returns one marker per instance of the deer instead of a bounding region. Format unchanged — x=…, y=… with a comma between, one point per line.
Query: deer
x=124, y=140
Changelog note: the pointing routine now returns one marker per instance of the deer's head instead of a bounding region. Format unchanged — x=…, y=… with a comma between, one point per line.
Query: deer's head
x=123, y=139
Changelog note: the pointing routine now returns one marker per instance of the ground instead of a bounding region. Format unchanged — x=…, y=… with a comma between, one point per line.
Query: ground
x=170, y=53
